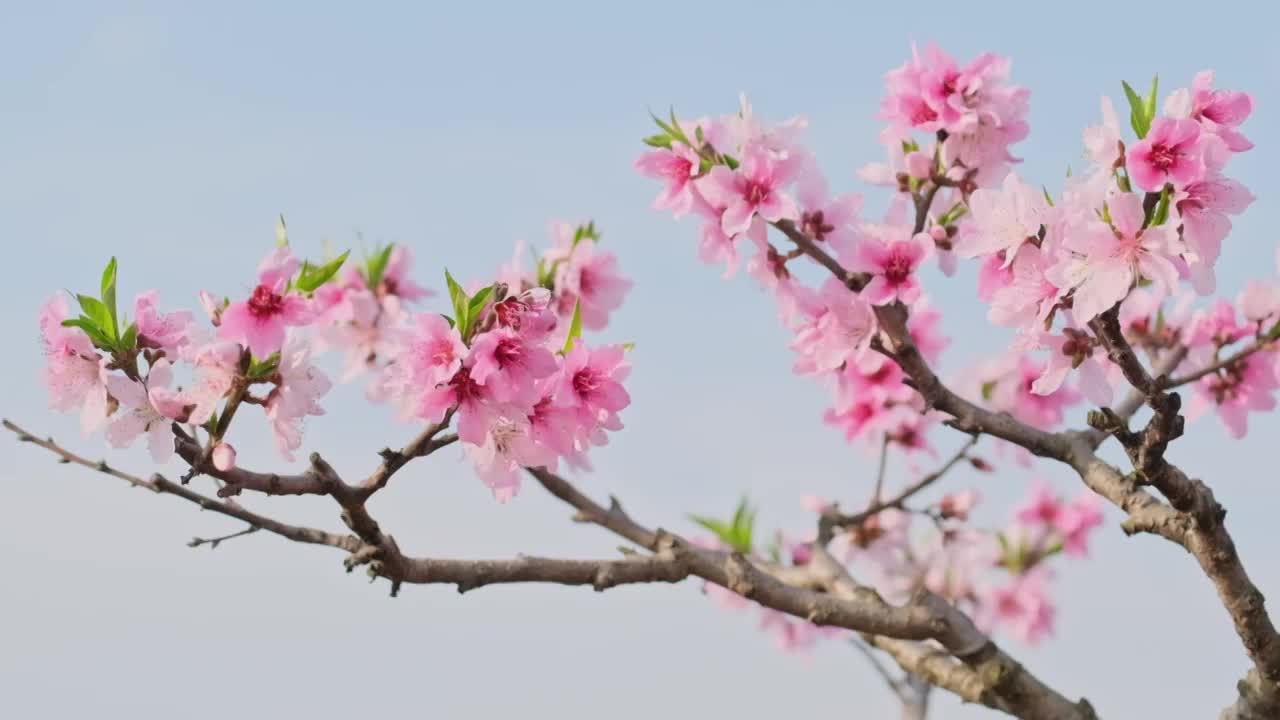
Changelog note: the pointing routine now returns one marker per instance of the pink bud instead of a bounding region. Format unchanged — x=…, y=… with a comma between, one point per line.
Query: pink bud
x=224, y=457
x=938, y=233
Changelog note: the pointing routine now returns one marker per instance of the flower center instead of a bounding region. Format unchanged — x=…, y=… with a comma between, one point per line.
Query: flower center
x=586, y=382
x=508, y=352
x=755, y=192
x=816, y=225
x=1164, y=157
x=897, y=269
x=264, y=303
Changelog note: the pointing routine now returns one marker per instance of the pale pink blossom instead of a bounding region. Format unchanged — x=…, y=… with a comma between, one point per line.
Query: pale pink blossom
x=74, y=374
x=1108, y=258
x=1023, y=607
x=591, y=279
x=1260, y=301
x=1074, y=350
x=217, y=365
x=1246, y=386
x=501, y=458
x=1217, y=326
x=1203, y=207
x=1031, y=298
x=1077, y=520
x=824, y=218
x=1103, y=142
x=295, y=397
x=149, y=408
x=1004, y=219
x=993, y=275
x=1014, y=393
x=165, y=331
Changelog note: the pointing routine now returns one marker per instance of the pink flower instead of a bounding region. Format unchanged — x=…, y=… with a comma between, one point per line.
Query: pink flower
x=1170, y=152
x=1074, y=350
x=224, y=457
x=1217, y=326
x=1245, y=387
x=924, y=328
x=147, y=408
x=1005, y=219
x=217, y=365
x=1103, y=142
x=74, y=375
x=590, y=382
x=1030, y=299
x=1219, y=112
x=296, y=397
x=1109, y=258
x=427, y=353
x=1043, y=509
x=826, y=219
x=1077, y=520
x=1203, y=207
x=509, y=366
x=993, y=275
x=958, y=505
x=506, y=450
x=756, y=187
x=677, y=166
x=166, y=331
x=1015, y=394
x=843, y=331
x=1023, y=606
x=1260, y=301
x=591, y=278
x=891, y=255
x=476, y=411
x=259, y=322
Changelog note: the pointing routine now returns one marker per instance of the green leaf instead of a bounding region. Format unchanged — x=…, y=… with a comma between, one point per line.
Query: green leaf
x=95, y=335
x=109, y=293
x=262, y=368
x=628, y=346
x=721, y=530
x=96, y=311
x=376, y=266
x=479, y=301
x=1047, y=197
x=658, y=141
x=282, y=231
x=1139, y=120
x=988, y=389
x=730, y=161
x=313, y=276
x=1162, y=209
x=130, y=338
x=575, y=328
x=1151, y=100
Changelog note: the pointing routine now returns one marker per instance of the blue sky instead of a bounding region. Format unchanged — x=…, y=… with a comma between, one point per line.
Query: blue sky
x=171, y=134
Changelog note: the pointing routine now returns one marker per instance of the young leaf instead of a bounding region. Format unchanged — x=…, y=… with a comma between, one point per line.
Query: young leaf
x=1138, y=118
x=479, y=301
x=1151, y=100
x=313, y=276
x=1162, y=210
x=130, y=337
x=91, y=329
x=575, y=328
x=722, y=531
x=658, y=141
x=282, y=232
x=376, y=266
x=98, y=314
x=109, y=292
x=461, y=306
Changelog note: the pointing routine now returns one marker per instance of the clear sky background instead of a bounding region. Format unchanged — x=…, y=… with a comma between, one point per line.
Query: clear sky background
x=171, y=134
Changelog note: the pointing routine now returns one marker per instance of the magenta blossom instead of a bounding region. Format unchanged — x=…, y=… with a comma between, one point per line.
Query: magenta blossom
x=259, y=323
x=510, y=366
x=756, y=187
x=891, y=255
x=590, y=382
x=1170, y=153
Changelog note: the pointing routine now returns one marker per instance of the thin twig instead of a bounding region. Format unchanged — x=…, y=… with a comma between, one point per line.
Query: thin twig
x=213, y=543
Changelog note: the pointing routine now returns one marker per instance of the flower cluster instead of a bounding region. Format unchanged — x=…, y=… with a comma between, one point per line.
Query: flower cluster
x=509, y=362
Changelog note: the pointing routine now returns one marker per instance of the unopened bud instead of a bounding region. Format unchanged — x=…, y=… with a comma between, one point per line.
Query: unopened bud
x=224, y=457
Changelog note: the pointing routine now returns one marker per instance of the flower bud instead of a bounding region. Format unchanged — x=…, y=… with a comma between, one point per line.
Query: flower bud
x=224, y=457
